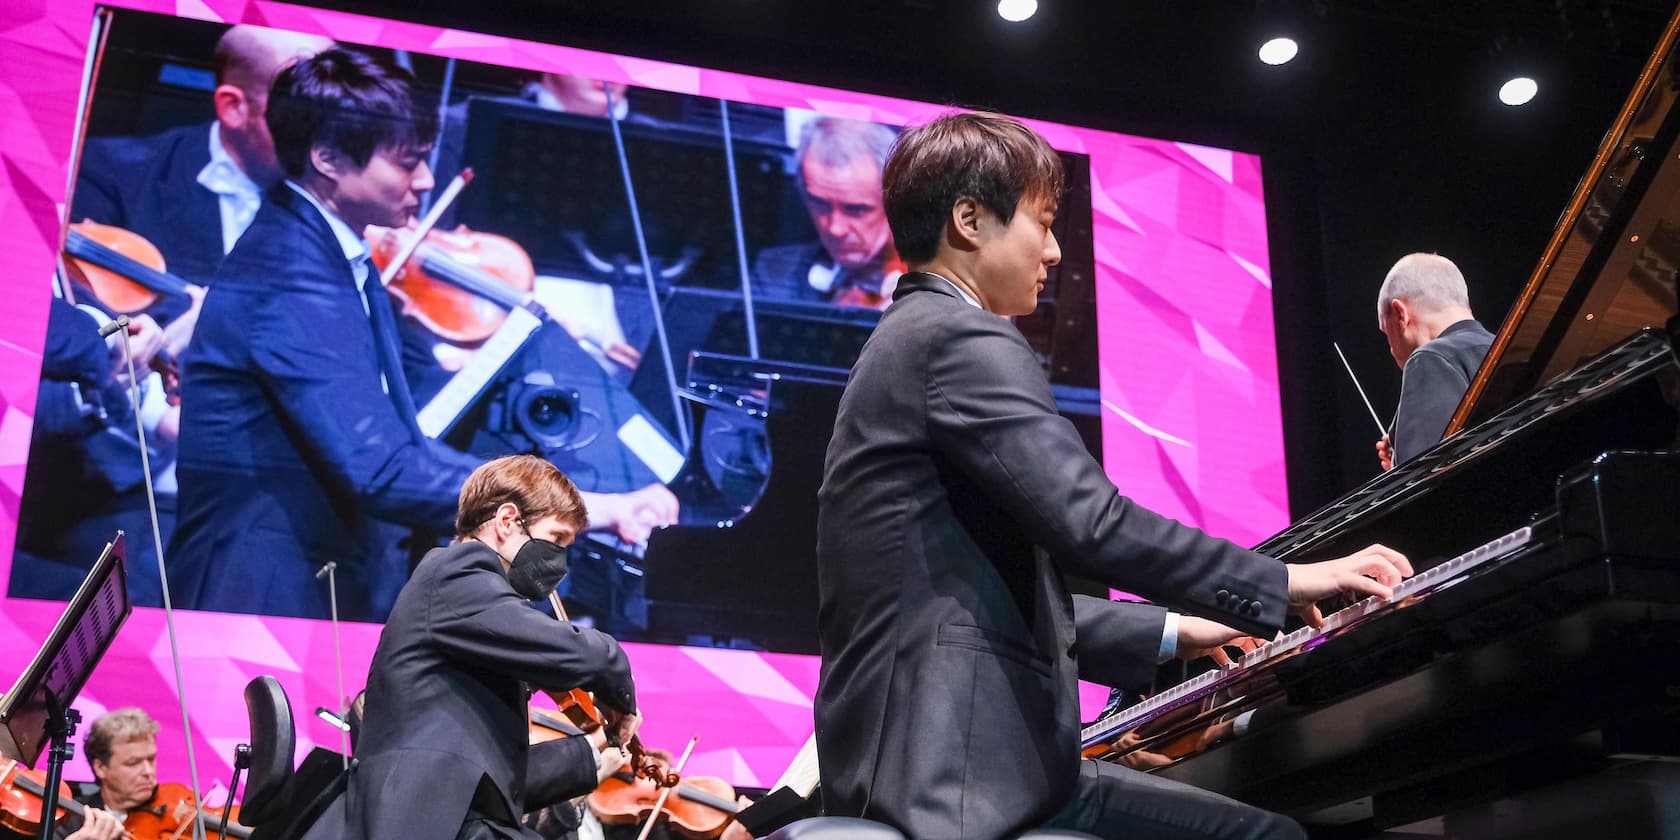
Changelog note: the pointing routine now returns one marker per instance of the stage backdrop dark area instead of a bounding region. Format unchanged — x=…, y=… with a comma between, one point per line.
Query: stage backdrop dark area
x=1384, y=137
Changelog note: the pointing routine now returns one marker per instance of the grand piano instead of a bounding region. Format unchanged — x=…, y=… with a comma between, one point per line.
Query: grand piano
x=1529, y=668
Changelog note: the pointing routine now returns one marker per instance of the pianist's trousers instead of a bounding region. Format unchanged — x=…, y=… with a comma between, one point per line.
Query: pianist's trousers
x=1115, y=802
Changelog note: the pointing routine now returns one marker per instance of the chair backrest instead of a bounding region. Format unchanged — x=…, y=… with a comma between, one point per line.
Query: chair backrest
x=273, y=744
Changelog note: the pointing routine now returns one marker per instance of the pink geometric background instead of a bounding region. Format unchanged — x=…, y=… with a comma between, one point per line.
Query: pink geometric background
x=1191, y=423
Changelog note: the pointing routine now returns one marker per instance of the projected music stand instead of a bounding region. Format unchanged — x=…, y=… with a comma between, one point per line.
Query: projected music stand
x=37, y=710
x=551, y=181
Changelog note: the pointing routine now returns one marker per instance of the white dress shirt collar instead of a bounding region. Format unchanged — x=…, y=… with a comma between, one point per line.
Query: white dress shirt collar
x=238, y=197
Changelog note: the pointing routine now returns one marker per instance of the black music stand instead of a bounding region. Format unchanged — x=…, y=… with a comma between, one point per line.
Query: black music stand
x=37, y=709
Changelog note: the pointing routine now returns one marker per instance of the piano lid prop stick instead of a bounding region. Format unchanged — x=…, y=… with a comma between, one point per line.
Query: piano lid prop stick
x=426, y=224
x=1380, y=430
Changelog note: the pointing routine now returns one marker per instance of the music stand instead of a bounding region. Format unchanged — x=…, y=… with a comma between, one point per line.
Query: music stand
x=37, y=709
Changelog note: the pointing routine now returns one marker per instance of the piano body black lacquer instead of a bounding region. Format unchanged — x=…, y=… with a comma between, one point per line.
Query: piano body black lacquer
x=754, y=452
x=1540, y=641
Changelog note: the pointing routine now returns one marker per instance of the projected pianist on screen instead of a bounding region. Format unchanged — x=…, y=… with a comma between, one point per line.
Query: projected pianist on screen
x=300, y=441
x=853, y=261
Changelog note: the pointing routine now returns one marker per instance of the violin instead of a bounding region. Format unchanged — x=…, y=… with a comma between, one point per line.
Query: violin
x=22, y=793
x=546, y=726
x=122, y=268
x=578, y=709
x=125, y=271
x=701, y=806
x=460, y=284
x=169, y=815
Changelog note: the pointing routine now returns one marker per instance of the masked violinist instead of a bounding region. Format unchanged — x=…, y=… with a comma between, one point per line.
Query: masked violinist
x=443, y=746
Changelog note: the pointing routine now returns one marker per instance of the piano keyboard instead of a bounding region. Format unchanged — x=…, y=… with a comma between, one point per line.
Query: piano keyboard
x=1305, y=638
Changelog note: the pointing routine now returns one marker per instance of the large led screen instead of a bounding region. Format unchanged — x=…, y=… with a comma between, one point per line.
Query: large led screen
x=657, y=278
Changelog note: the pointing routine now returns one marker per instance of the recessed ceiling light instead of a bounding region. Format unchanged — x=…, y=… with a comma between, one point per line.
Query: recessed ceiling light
x=1279, y=51
x=1016, y=11
x=1518, y=91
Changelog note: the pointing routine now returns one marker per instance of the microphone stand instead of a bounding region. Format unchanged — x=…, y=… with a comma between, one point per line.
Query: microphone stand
x=330, y=572
x=120, y=325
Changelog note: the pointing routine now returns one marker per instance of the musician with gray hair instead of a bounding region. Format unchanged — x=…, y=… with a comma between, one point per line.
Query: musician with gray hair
x=853, y=260
x=1424, y=311
x=121, y=749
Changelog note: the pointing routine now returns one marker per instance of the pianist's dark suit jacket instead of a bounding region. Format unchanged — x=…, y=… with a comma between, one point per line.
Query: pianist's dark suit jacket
x=445, y=715
x=292, y=453
x=947, y=704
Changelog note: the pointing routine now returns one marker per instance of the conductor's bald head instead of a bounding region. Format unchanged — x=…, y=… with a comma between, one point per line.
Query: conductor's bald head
x=246, y=60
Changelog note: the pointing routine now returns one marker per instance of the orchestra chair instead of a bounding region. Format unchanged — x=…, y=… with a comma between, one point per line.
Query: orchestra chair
x=281, y=803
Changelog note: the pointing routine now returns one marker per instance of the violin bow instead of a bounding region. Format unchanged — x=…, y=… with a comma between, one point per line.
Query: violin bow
x=665, y=790
x=427, y=222
x=559, y=608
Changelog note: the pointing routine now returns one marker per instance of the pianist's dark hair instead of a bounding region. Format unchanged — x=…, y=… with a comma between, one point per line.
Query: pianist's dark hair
x=988, y=157
x=349, y=101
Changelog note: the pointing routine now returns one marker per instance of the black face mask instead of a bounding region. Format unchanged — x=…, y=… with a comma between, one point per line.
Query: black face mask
x=537, y=568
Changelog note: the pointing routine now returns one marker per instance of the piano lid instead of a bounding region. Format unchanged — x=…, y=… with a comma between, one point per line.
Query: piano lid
x=1610, y=267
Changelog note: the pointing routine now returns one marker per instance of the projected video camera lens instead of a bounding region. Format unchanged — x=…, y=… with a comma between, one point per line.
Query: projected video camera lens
x=547, y=413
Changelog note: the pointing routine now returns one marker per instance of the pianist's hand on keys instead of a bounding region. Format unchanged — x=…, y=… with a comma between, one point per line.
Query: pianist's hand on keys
x=1374, y=571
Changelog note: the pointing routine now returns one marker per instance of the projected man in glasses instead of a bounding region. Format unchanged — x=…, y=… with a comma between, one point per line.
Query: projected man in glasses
x=853, y=261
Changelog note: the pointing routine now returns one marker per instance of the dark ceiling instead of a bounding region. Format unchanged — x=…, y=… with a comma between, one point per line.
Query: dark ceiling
x=1384, y=137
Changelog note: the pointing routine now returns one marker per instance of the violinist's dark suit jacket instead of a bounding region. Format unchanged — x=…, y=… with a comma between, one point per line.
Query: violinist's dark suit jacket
x=948, y=702
x=150, y=186
x=292, y=453
x=445, y=718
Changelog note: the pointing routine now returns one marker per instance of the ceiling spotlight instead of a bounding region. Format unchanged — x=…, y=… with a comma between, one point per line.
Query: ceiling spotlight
x=1518, y=91
x=1279, y=51
x=1016, y=11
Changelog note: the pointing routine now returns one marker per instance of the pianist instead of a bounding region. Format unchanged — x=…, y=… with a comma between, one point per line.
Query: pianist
x=1424, y=311
x=947, y=704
